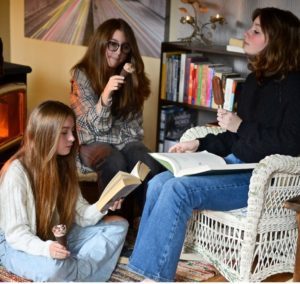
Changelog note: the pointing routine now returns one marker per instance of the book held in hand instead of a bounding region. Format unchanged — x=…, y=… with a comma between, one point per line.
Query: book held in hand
x=183, y=164
x=121, y=185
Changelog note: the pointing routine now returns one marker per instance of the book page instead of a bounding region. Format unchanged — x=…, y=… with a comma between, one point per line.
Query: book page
x=120, y=186
x=140, y=170
x=108, y=200
x=118, y=176
x=193, y=163
x=185, y=161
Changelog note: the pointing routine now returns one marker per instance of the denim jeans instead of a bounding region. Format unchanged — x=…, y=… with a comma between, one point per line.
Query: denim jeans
x=169, y=205
x=94, y=254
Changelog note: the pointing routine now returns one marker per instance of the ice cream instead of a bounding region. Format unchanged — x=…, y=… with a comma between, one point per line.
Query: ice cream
x=59, y=232
x=218, y=91
x=127, y=69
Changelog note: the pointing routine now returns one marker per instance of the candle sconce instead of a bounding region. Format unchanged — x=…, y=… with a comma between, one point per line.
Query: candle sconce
x=201, y=32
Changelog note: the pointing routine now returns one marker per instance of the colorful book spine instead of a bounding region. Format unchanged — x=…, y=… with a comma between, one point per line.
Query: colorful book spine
x=231, y=91
x=166, y=78
x=204, y=84
x=190, y=59
x=199, y=84
x=175, y=78
x=191, y=83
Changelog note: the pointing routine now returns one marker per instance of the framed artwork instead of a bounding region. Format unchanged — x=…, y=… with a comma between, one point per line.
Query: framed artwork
x=74, y=21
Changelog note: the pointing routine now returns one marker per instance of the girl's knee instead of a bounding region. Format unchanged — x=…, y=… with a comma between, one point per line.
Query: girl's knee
x=174, y=189
x=114, y=218
x=56, y=271
x=118, y=221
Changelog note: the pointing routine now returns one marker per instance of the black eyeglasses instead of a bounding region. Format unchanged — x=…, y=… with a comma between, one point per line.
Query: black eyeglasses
x=114, y=46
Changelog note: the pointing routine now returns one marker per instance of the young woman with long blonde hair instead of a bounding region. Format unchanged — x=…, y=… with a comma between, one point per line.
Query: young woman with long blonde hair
x=39, y=189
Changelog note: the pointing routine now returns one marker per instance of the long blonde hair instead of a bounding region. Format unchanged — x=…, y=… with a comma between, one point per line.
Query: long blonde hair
x=53, y=178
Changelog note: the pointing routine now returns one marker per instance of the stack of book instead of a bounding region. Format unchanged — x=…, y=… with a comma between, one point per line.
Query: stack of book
x=235, y=45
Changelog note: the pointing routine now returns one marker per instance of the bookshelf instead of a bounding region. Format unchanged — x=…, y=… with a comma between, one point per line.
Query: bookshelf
x=171, y=102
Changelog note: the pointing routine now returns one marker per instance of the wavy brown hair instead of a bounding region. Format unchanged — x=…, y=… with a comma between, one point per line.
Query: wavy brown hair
x=95, y=66
x=53, y=178
x=282, y=53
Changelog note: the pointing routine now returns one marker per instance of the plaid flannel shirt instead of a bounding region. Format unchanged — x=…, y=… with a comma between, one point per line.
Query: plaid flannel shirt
x=93, y=126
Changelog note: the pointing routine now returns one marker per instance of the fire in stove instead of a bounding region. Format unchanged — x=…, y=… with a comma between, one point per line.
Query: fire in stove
x=12, y=113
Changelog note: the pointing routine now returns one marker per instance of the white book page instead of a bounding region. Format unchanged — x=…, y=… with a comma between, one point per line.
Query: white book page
x=192, y=163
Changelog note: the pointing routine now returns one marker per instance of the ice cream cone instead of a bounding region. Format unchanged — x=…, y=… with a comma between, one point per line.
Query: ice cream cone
x=59, y=232
x=127, y=69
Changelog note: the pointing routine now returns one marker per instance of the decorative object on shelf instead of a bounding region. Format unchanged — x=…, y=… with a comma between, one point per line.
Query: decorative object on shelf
x=201, y=31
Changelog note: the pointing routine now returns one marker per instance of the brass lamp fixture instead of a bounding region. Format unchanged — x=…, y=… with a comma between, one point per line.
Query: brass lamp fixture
x=201, y=32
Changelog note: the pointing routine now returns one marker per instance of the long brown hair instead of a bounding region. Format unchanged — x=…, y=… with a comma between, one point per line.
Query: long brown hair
x=282, y=53
x=96, y=68
x=53, y=178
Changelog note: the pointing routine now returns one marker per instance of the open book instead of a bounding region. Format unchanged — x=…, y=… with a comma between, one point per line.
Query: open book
x=182, y=164
x=121, y=185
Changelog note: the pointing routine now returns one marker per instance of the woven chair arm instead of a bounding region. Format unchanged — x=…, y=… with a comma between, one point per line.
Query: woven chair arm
x=200, y=132
x=263, y=175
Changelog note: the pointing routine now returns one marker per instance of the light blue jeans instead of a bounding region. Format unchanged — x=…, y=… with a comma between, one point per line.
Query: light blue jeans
x=169, y=205
x=94, y=254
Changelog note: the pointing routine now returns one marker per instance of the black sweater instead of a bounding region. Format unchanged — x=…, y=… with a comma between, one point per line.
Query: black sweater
x=270, y=115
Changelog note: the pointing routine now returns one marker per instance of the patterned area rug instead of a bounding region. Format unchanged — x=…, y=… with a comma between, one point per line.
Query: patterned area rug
x=187, y=271
x=6, y=276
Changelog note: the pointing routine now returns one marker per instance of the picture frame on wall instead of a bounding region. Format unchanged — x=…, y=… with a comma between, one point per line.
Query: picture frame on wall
x=74, y=21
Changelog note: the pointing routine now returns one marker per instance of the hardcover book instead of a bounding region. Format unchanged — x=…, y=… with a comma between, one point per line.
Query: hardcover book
x=183, y=164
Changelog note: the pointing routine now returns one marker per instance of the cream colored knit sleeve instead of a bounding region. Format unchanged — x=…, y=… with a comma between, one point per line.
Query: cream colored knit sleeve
x=17, y=212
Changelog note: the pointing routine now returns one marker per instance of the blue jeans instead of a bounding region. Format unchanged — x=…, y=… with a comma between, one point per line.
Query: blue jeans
x=94, y=254
x=169, y=205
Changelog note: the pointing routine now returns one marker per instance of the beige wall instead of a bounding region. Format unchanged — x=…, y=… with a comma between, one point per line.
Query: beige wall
x=5, y=28
x=51, y=62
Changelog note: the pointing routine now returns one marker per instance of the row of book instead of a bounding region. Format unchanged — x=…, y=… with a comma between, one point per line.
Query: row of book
x=174, y=121
x=187, y=78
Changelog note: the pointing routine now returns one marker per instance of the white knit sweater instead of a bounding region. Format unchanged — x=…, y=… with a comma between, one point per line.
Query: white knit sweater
x=18, y=216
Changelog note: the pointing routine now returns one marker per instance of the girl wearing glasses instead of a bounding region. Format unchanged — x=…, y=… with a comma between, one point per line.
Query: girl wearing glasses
x=38, y=189
x=109, y=108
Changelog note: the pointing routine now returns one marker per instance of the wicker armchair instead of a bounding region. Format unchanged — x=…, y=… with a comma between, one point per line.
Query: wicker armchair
x=251, y=243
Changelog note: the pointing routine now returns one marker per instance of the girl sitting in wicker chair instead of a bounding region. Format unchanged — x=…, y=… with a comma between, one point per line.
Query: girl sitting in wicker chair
x=267, y=122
